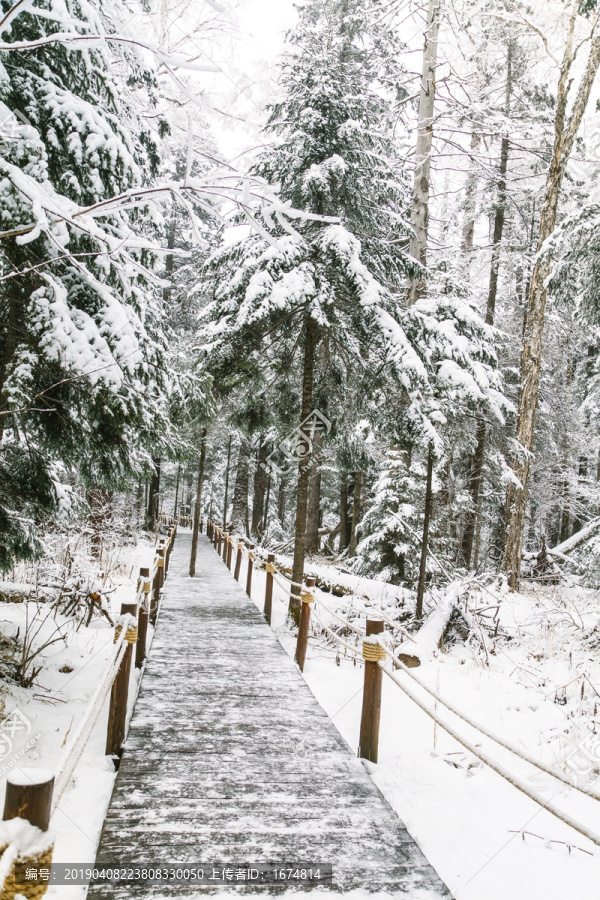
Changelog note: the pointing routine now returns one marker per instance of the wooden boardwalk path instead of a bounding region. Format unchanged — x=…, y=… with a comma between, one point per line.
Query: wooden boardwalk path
x=230, y=759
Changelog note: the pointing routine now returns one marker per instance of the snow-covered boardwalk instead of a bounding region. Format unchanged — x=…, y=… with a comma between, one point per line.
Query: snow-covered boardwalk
x=230, y=760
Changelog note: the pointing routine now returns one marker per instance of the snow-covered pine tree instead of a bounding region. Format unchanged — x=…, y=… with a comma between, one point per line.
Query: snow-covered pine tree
x=80, y=357
x=334, y=156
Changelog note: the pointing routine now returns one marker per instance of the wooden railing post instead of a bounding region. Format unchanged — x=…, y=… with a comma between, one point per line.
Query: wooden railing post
x=270, y=567
x=304, y=624
x=249, y=575
x=156, y=586
x=229, y=551
x=117, y=714
x=140, y=649
x=29, y=796
x=371, y=708
x=225, y=544
x=201, y=525
x=238, y=562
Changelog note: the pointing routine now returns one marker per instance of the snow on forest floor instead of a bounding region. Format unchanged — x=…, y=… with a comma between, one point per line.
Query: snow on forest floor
x=540, y=690
x=43, y=716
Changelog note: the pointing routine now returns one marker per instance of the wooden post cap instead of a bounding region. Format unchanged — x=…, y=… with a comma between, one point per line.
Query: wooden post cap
x=29, y=796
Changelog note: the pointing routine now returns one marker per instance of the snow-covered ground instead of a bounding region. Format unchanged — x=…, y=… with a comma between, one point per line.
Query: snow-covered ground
x=539, y=688
x=37, y=721
x=486, y=839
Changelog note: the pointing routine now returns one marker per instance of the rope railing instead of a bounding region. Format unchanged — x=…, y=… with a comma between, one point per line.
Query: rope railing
x=480, y=754
x=34, y=795
x=73, y=752
x=377, y=656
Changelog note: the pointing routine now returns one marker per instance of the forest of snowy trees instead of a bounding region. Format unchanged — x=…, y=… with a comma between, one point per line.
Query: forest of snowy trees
x=403, y=258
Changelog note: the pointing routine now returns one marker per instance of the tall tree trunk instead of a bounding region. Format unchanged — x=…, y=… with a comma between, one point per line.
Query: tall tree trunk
x=421, y=184
x=564, y=139
x=153, y=497
x=198, y=505
x=356, y=513
x=177, y=490
x=468, y=230
x=99, y=503
x=344, y=522
x=10, y=346
x=310, y=345
x=425, y=543
x=260, y=486
x=239, y=512
x=265, y=520
x=314, y=498
x=227, y=470
x=281, y=500
x=478, y=460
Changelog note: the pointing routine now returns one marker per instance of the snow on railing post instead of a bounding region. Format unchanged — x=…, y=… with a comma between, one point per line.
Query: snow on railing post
x=306, y=598
x=146, y=587
x=155, y=595
x=270, y=569
x=157, y=586
x=238, y=562
x=249, y=575
x=371, y=708
x=117, y=714
x=29, y=796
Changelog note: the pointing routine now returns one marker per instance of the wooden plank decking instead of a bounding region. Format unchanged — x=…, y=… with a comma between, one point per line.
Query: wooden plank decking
x=231, y=760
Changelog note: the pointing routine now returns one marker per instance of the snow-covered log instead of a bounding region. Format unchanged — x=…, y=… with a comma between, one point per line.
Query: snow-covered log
x=428, y=638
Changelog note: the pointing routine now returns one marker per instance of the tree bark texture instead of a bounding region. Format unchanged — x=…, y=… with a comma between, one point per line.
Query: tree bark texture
x=564, y=138
x=310, y=345
x=419, y=219
x=356, y=513
x=314, y=498
x=425, y=543
x=153, y=496
x=197, y=507
x=260, y=486
x=478, y=460
x=239, y=512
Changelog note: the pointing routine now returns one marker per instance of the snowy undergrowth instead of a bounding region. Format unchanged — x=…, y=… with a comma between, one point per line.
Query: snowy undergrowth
x=47, y=713
x=539, y=689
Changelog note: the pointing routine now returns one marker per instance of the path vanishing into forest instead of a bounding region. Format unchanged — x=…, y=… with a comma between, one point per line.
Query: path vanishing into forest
x=231, y=762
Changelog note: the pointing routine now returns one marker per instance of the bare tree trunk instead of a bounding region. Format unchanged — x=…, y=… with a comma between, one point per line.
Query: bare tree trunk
x=314, y=498
x=344, y=523
x=425, y=543
x=99, y=503
x=153, y=497
x=260, y=486
x=197, y=507
x=478, y=460
x=356, y=513
x=468, y=231
x=225, y=502
x=421, y=184
x=239, y=512
x=564, y=138
x=310, y=345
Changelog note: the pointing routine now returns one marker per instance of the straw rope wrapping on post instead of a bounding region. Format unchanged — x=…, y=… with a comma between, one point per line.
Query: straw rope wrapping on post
x=24, y=847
